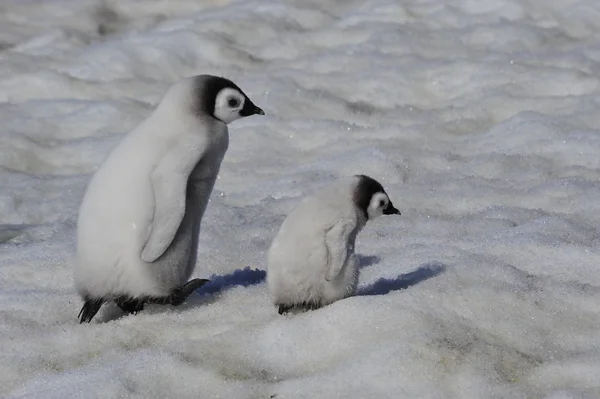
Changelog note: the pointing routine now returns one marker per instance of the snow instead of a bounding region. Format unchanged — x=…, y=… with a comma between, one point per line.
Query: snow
x=480, y=118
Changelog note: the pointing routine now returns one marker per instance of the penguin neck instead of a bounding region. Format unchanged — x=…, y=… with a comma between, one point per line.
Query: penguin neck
x=361, y=216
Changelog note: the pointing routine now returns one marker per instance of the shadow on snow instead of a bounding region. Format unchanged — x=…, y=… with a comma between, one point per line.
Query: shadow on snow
x=247, y=277
x=383, y=286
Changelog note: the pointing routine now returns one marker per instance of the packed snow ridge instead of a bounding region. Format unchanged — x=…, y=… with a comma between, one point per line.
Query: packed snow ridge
x=480, y=118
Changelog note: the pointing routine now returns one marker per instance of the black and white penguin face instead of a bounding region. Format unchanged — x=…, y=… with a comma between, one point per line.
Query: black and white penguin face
x=224, y=100
x=229, y=104
x=380, y=205
x=372, y=199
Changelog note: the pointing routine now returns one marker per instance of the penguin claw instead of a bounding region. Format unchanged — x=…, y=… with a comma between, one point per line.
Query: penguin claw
x=89, y=309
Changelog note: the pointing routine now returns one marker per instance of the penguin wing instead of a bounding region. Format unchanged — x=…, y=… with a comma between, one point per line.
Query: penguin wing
x=169, y=183
x=336, y=240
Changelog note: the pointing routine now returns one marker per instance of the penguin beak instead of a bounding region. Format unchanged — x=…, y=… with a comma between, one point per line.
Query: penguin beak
x=251, y=109
x=391, y=210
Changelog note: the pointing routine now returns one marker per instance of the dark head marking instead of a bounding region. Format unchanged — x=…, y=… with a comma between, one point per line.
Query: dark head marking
x=207, y=88
x=366, y=188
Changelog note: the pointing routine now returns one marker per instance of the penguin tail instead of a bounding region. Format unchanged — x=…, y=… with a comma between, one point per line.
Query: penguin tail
x=89, y=309
x=180, y=294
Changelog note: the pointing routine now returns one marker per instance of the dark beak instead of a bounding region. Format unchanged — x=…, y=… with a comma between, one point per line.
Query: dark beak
x=251, y=109
x=391, y=210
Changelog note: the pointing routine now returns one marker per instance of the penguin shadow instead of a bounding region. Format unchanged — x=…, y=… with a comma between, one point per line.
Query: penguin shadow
x=366, y=260
x=211, y=291
x=384, y=286
x=204, y=295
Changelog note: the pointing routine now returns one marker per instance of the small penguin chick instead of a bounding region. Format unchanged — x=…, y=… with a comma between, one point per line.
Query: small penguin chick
x=139, y=221
x=311, y=261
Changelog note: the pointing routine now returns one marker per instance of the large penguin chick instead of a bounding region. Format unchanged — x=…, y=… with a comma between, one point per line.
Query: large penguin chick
x=311, y=261
x=139, y=222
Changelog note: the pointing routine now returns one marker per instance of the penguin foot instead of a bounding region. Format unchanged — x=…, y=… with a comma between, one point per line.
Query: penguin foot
x=305, y=306
x=284, y=308
x=180, y=294
x=129, y=305
x=311, y=305
x=135, y=305
x=89, y=309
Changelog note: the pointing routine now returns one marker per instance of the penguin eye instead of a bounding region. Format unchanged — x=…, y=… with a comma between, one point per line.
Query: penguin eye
x=233, y=102
x=381, y=203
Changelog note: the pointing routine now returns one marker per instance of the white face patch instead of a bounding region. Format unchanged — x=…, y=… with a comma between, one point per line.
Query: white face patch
x=228, y=104
x=379, y=201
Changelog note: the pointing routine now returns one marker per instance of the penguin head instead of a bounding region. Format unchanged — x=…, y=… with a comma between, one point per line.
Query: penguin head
x=371, y=198
x=222, y=99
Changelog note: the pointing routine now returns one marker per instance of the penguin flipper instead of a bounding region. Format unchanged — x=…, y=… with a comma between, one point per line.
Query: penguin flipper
x=336, y=241
x=169, y=184
x=89, y=309
x=169, y=209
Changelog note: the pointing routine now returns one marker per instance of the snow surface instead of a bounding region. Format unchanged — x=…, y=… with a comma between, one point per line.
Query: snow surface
x=479, y=117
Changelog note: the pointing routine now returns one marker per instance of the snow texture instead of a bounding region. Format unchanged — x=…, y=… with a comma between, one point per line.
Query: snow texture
x=480, y=118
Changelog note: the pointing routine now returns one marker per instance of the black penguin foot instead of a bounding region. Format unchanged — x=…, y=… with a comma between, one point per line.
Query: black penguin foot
x=284, y=308
x=90, y=307
x=180, y=294
x=311, y=305
x=130, y=305
x=305, y=306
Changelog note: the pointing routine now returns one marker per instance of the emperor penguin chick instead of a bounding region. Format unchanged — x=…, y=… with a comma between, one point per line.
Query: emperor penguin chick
x=311, y=261
x=139, y=222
